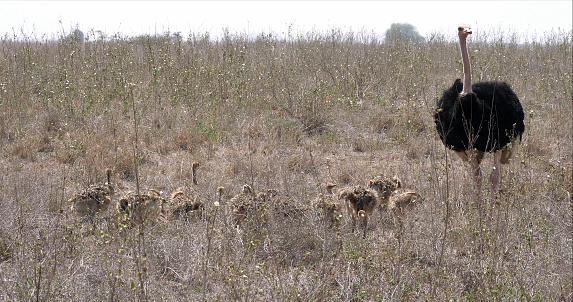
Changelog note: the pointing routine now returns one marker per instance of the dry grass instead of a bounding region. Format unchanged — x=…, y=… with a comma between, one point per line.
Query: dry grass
x=280, y=114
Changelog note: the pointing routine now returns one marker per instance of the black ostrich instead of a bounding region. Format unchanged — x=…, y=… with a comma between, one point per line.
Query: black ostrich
x=472, y=119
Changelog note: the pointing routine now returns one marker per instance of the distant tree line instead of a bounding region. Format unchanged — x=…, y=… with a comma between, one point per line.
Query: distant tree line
x=397, y=33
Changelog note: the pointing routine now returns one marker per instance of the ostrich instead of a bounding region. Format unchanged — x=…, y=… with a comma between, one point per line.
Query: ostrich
x=94, y=199
x=360, y=203
x=329, y=206
x=185, y=200
x=472, y=119
x=143, y=207
x=282, y=205
x=400, y=203
x=240, y=206
x=384, y=187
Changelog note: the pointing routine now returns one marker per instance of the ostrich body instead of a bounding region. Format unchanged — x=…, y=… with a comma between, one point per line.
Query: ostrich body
x=473, y=119
x=184, y=202
x=242, y=205
x=94, y=199
x=282, y=205
x=142, y=208
x=360, y=203
x=384, y=187
x=403, y=202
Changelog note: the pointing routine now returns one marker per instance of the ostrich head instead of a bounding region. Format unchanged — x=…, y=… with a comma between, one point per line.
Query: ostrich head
x=329, y=187
x=464, y=31
x=195, y=165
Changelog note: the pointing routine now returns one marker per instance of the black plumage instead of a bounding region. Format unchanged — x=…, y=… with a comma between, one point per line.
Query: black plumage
x=487, y=119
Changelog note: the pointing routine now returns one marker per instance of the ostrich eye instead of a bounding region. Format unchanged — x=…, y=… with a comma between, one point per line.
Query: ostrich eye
x=460, y=28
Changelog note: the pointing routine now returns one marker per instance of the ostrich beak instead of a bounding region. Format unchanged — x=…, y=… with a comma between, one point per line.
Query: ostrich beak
x=465, y=30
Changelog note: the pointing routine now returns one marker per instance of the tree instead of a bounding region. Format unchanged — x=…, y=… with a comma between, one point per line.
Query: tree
x=403, y=32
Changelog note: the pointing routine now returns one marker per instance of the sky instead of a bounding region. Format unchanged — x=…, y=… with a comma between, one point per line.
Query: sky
x=47, y=19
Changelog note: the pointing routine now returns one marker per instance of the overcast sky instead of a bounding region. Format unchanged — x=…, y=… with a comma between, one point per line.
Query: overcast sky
x=130, y=18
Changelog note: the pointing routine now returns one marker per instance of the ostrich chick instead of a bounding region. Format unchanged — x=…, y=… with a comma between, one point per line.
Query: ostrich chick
x=360, y=203
x=184, y=202
x=329, y=206
x=282, y=205
x=384, y=187
x=241, y=206
x=142, y=208
x=403, y=202
x=95, y=199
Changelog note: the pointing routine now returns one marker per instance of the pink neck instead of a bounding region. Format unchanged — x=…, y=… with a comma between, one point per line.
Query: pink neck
x=467, y=70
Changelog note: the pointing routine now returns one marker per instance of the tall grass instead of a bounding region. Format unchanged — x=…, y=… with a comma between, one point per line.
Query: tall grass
x=282, y=113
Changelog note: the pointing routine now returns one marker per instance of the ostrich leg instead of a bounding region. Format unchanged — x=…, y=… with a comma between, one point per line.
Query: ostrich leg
x=495, y=175
x=475, y=170
x=365, y=225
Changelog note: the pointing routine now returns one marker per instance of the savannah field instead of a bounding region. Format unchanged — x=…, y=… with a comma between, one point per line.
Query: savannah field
x=284, y=113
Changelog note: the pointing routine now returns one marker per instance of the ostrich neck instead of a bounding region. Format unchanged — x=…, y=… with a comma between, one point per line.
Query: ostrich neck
x=109, y=178
x=467, y=70
x=194, y=176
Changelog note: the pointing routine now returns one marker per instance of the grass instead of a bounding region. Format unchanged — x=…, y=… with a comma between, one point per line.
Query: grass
x=282, y=113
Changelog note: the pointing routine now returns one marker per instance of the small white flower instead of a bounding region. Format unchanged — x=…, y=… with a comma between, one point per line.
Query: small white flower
x=216, y=203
